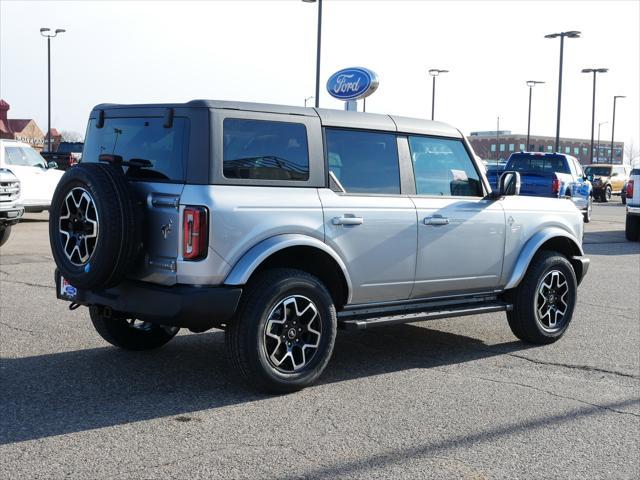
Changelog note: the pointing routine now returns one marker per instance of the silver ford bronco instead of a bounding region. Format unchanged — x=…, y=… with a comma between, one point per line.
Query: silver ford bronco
x=280, y=224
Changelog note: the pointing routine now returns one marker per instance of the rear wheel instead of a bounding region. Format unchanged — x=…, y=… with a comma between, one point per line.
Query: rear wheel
x=632, y=228
x=544, y=301
x=606, y=194
x=125, y=332
x=4, y=234
x=282, y=336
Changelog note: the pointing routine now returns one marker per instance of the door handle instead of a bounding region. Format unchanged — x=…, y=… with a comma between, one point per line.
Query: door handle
x=436, y=220
x=347, y=220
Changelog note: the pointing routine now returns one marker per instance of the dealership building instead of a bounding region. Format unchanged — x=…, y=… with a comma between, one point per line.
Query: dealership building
x=23, y=129
x=492, y=145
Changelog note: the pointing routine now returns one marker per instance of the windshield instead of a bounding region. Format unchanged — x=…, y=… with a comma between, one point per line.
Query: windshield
x=143, y=138
x=24, y=157
x=538, y=164
x=600, y=171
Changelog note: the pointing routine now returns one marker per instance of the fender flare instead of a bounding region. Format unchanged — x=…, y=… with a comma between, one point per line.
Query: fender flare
x=531, y=248
x=252, y=258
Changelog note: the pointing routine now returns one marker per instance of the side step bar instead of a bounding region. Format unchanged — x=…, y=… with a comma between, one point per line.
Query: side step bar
x=457, y=311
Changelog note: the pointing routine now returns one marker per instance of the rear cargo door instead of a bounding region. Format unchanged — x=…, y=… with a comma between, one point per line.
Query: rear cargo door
x=158, y=185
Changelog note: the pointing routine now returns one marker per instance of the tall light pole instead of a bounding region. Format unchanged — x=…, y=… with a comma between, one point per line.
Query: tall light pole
x=595, y=71
x=598, y=144
x=498, y=142
x=318, y=49
x=43, y=32
x=434, y=72
x=613, y=125
x=570, y=34
x=530, y=84
x=307, y=99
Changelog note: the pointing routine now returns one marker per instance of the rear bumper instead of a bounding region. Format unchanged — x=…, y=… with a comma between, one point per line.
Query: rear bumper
x=185, y=306
x=635, y=210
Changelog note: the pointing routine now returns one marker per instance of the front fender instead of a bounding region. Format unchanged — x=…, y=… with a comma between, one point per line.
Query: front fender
x=251, y=260
x=532, y=246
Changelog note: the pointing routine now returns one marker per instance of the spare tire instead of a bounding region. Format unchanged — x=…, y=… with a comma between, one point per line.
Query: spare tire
x=95, y=226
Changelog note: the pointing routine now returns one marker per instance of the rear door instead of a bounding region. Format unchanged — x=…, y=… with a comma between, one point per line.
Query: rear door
x=367, y=220
x=157, y=187
x=460, y=234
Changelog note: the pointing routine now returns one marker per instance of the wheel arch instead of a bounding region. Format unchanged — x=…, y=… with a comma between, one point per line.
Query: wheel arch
x=549, y=239
x=295, y=251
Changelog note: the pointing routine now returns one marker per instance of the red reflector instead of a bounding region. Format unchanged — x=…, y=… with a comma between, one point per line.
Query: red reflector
x=555, y=185
x=195, y=230
x=630, y=189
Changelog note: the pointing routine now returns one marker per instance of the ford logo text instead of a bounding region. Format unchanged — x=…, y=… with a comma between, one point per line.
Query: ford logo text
x=352, y=83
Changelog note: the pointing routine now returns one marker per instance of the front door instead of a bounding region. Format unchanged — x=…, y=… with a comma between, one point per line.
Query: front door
x=460, y=235
x=367, y=220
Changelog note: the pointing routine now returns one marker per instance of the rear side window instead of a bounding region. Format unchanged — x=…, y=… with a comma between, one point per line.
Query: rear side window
x=142, y=138
x=364, y=162
x=265, y=150
x=442, y=167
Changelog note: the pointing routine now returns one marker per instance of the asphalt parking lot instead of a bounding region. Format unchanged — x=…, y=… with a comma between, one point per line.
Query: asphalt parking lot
x=459, y=398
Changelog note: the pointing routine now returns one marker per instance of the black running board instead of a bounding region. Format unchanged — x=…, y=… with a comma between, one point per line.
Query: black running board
x=459, y=311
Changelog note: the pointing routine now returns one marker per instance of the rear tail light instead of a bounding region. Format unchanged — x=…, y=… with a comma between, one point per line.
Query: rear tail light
x=555, y=185
x=630, y=189
x=195, y=228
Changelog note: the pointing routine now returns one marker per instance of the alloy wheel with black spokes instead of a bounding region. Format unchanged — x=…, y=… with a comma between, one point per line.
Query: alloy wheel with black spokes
x=283, y=333
x=78, y=225
x=551, y=301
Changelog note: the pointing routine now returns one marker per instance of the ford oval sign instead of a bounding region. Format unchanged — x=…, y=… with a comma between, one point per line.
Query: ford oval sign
x=352, y=83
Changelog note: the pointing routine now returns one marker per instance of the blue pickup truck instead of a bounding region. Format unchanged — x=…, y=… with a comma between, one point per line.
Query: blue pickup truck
x=550, y=175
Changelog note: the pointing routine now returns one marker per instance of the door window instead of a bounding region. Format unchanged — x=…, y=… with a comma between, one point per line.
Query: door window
x=265, y=150
x=442, y=167
x=364, y=162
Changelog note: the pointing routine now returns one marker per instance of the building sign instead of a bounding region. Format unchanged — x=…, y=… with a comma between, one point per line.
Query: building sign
x=352, y=83
x=30, y=140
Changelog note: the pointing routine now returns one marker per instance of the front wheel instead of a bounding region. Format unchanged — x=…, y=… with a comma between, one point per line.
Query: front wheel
x=128, y=333
x=282, y=336
x=544, y=301
x=4, y=234
x=606, y=194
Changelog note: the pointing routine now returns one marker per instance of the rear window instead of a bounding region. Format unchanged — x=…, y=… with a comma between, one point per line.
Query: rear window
x=70, y=148
x=538, y=164
x=265, y=150
x=142, y=138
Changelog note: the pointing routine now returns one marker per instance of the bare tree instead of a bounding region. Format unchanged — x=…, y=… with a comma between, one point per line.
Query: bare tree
x=71, y=136
x=631, y=153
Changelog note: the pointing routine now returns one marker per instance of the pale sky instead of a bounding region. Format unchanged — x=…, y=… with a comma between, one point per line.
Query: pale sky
x=264, y=51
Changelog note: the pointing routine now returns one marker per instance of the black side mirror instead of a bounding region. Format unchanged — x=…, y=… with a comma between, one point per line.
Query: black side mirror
x=509, y=183
x=52, y=165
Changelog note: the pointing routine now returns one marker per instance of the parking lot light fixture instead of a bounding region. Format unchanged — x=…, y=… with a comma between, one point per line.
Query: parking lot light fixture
x=44, y=32
x=598, y=144
x=569, y=34
x=530, y=84
x=318, y=44
x=595, y=71
x=434, y=72
x=613, y=125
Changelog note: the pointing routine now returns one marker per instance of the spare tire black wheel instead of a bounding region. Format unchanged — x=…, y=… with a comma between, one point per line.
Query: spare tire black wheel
x=95, y=226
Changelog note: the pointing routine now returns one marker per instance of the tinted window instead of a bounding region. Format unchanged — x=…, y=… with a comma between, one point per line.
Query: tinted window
x=264, y=150
x=364, y=162
x=23, y=156
x=443, y=167
x=144, y=139
x=600, y=171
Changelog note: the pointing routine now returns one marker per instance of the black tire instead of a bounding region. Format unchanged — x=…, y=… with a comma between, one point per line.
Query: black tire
x=606, y=194
x=632, y=228
x=247, y=340
x=587, y=213
x=523, y=319
x=5, y=232
x=124, y=332
x=118, y=217
x=623, y=197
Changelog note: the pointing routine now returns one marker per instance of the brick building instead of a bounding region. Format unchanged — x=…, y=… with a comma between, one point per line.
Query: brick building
x=490, y=146
x=24, y=129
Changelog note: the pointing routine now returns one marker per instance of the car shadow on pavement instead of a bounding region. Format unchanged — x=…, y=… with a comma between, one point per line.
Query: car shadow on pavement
x=609, y=243
x=75, y=391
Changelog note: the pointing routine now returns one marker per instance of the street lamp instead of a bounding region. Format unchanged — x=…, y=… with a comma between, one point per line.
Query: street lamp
x=530, y=84
x=44, y=32
x=613, y=125
x=598, y=144
x=595, y=71
x=317, y=96
x=307, y=99
x=434, y=72
x=570, y=34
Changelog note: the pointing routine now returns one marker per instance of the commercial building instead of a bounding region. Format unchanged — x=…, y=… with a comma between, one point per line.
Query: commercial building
x=492, y=145
x=23, y=129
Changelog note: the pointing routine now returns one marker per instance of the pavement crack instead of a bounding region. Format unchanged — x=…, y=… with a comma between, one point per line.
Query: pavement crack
x=28, y=284
x=586, y=368
x=17, y=328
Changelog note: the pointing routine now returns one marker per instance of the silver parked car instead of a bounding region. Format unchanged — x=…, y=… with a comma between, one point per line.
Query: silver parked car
x=280, y=224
